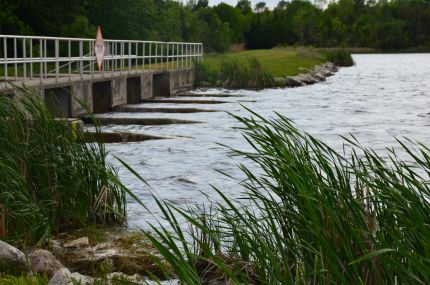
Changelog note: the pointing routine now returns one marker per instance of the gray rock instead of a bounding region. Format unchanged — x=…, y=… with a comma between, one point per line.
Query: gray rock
x=65, y=277
x=292, y=81
x=307, y=78
x=12, y=258
x=43, y=261
x=80, y=242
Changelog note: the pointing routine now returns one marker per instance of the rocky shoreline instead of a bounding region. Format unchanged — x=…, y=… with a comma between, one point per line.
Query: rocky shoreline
x=316, y=74
x=107, y=257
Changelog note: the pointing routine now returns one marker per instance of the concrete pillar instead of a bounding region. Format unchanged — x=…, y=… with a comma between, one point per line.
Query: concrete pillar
x=59, y=101
x=146, y=85
x=119, y=91
x=82, y=91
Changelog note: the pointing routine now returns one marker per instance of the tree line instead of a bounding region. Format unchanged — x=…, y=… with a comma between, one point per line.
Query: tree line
x=387, y=25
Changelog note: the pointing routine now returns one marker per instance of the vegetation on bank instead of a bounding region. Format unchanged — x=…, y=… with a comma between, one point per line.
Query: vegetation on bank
x=309, y=215
x=340, y=57
x=254, y=69
x=50, y=179
x=279, y=62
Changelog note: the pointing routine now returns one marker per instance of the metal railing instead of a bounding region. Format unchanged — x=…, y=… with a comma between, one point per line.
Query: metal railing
x=24, y=58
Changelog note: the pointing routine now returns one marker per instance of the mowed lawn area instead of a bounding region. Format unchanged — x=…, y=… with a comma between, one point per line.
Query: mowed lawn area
x=279, y=61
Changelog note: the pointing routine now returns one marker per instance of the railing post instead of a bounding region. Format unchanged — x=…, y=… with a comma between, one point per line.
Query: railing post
x=57, y=63
x=15, y=58
x=31, y=58
x=69, y=52
x=5, y=56
x=24, y=64
x=81, y=60
x=137, y=55
x=177, y=56
x=143, y=56
x=150, y=56
x=129, y=56
x=41, y=63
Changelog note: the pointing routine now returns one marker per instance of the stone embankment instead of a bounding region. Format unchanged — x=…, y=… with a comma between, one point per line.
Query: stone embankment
x=316, y=74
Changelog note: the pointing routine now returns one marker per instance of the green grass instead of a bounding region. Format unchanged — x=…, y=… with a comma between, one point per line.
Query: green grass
x=50, y=179
x=6, y=279
x=279, y=62
x=309, y=215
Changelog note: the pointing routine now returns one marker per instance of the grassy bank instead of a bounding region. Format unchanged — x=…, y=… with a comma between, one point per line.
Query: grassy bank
x=50, y=179
x=311, y=215
x=255, y=69
x=278, y=62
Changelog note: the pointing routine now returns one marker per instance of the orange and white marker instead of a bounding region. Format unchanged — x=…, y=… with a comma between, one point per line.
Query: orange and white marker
x=99, y=48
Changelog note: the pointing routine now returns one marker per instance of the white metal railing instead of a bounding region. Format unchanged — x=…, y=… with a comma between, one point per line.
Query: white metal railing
x=24, y=58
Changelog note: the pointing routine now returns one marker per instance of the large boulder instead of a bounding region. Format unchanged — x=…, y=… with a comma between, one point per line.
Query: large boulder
x=65, y=277
x=12, y=259
x=43, y=261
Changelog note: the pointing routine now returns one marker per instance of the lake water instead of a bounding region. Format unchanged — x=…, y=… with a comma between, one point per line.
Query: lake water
x=378, y=99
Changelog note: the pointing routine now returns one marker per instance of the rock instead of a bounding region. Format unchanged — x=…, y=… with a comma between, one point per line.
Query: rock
x=65, y=277
x=55, y=246
x=133, y=279
x=292, y=81
x=307, y=78
x=80, y=242
x=12, y=258
x=43, y=261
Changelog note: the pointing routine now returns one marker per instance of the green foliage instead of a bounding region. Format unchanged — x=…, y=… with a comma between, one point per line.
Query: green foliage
x=384, y=25
x=50, y=179
x=309, y=215
x=24, y=280
x=234, y=74
x=340, y=57
x=279, y=62
x=204, y=76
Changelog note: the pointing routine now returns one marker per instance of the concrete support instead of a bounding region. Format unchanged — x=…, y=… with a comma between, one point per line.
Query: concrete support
x=102, y=94
x=119, y=91
x=146, y=85
x=59, y=101
x=82, y=91
x=181, y=79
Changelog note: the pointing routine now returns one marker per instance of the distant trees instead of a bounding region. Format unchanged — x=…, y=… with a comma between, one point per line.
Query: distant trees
x=388, y=25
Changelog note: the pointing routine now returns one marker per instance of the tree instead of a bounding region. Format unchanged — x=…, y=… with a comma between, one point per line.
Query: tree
x=244, y=6
x=260, y=7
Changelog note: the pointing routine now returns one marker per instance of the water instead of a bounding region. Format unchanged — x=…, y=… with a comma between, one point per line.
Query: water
x=380, y=98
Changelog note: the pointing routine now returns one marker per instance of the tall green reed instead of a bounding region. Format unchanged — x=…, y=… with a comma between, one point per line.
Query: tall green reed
x=50, y=179
x=234, y=74
x=310, y=216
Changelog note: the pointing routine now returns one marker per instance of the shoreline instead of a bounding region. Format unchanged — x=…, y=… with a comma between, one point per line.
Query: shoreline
x=317, y=74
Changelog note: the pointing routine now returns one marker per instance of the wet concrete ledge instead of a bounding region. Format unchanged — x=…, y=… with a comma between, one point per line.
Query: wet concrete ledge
x=118, y=137
x=189, y=94
x=136, y=121
x=133, y=109
x=181, y=101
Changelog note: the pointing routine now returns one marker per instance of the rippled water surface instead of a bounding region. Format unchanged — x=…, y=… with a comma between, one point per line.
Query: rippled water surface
x=380, y=98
